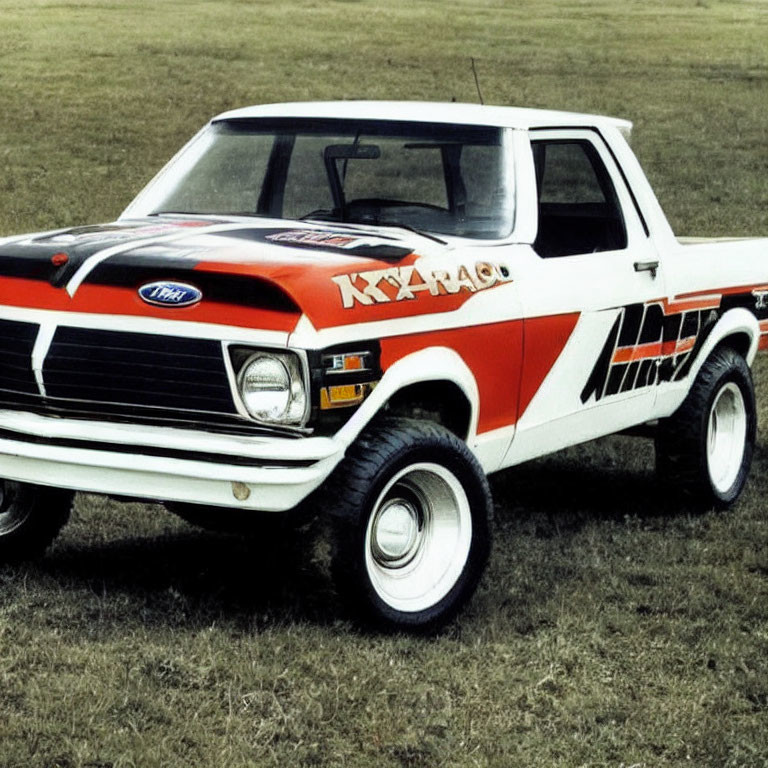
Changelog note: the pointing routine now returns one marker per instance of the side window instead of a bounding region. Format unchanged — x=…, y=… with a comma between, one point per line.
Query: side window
x=579, y=211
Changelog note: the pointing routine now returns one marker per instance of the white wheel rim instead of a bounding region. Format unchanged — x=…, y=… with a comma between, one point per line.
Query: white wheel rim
x=13, y=512
x=418, y=537
x=726, y=437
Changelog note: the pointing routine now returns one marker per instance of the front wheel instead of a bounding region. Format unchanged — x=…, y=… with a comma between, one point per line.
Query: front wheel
x=411, y=510
x=31, y=516
x=704, y=450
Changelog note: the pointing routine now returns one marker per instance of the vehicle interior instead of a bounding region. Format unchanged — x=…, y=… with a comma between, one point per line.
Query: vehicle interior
x=439, y=178
x=577, y=204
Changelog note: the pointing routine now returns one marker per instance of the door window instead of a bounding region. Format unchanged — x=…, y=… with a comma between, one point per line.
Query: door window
x=579, y=211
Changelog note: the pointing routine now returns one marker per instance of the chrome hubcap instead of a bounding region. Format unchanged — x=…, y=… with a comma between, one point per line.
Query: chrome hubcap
x=726, y=437
x=396, y=530
x=418, y=537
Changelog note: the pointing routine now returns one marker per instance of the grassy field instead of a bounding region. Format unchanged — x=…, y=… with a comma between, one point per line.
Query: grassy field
x=612, y=629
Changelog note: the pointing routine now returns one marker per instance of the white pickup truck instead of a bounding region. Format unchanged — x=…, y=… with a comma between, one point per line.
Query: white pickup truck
x=361, y=309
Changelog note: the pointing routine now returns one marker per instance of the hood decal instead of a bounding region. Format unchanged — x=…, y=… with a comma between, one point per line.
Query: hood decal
x=87, y=247
x=312, y=238
x=105, y=233
x=381, y=286
x=249, y=276
x=333, y=241
x=101, y=255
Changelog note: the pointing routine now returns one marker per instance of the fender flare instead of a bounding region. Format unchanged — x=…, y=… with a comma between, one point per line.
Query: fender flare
x=426, y=365
x=734, y=321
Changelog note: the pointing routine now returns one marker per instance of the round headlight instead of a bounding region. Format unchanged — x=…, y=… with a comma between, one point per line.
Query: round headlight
x=265, y=386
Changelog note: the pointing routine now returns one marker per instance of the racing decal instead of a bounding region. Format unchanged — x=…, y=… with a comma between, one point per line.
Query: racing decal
x=66, y=259
x=761, y=310
x=759, y=305
x=650, y=344
x=378, y=246
x=507, y=378
x=106, y=233
x=313, y=238
x=381, y=286
x=492, y=352
x=257, y=305
x=763, y=343
x=41, y=257
x=545, y=339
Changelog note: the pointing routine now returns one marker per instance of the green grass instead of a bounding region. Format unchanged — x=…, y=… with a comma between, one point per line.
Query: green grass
x=612, y=629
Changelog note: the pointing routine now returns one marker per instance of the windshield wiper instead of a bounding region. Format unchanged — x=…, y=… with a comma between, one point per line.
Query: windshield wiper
x=319, y=214
x=375, y=223
x=208, y=213
x=180, y=213
x=399, y=225
x=311, y=217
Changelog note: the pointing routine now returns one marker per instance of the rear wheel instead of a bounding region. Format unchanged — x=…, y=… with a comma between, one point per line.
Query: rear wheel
x=704, y=450
x=31, y=517
x=411, y=510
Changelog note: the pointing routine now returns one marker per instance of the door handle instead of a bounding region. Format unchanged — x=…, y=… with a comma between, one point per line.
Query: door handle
x=647, y=266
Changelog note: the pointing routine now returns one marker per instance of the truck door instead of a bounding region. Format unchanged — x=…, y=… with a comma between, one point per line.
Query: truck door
x=594, y=289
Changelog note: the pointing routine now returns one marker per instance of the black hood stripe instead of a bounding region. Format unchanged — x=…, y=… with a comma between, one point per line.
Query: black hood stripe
x=31, y=258
x=240, y=290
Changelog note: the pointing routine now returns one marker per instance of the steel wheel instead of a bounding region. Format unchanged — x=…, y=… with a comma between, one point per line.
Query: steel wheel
x=418, y=537
x=704, y=450
x=726, y=437
x=410, y=509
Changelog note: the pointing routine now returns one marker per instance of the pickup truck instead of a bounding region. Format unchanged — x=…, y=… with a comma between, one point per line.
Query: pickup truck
x=360, y=310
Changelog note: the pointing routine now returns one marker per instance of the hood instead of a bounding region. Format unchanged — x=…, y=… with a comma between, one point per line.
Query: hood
x=248, y=274
x=256, y=274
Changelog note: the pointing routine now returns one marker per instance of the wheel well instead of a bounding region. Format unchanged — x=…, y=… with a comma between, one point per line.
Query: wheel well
x=738, y=342
x=440, y=401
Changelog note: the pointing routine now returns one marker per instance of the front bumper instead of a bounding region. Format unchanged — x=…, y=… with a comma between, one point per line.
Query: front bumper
x=167, y=464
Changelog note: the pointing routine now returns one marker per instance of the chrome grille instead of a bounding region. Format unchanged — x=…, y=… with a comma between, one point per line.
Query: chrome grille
x=130, y=378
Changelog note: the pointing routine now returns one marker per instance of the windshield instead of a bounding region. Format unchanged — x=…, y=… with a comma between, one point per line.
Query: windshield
x=446, y=179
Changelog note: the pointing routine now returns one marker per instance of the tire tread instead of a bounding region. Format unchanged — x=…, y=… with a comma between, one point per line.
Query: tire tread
x=51, y=509
x=681, y=462
x=343, y=501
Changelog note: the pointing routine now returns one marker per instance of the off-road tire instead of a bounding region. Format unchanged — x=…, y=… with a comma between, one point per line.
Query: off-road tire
x=31, y=517
x=688, y=460
x=397, y=468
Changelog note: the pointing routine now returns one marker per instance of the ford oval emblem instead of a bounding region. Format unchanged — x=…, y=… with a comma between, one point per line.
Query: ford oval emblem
x=169, y=294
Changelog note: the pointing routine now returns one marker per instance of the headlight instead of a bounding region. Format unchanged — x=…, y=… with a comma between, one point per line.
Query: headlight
x=271, y=387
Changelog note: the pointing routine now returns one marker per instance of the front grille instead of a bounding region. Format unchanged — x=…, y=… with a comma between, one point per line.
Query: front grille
x=16, y=343
x=130, y=378
x=113, y=368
